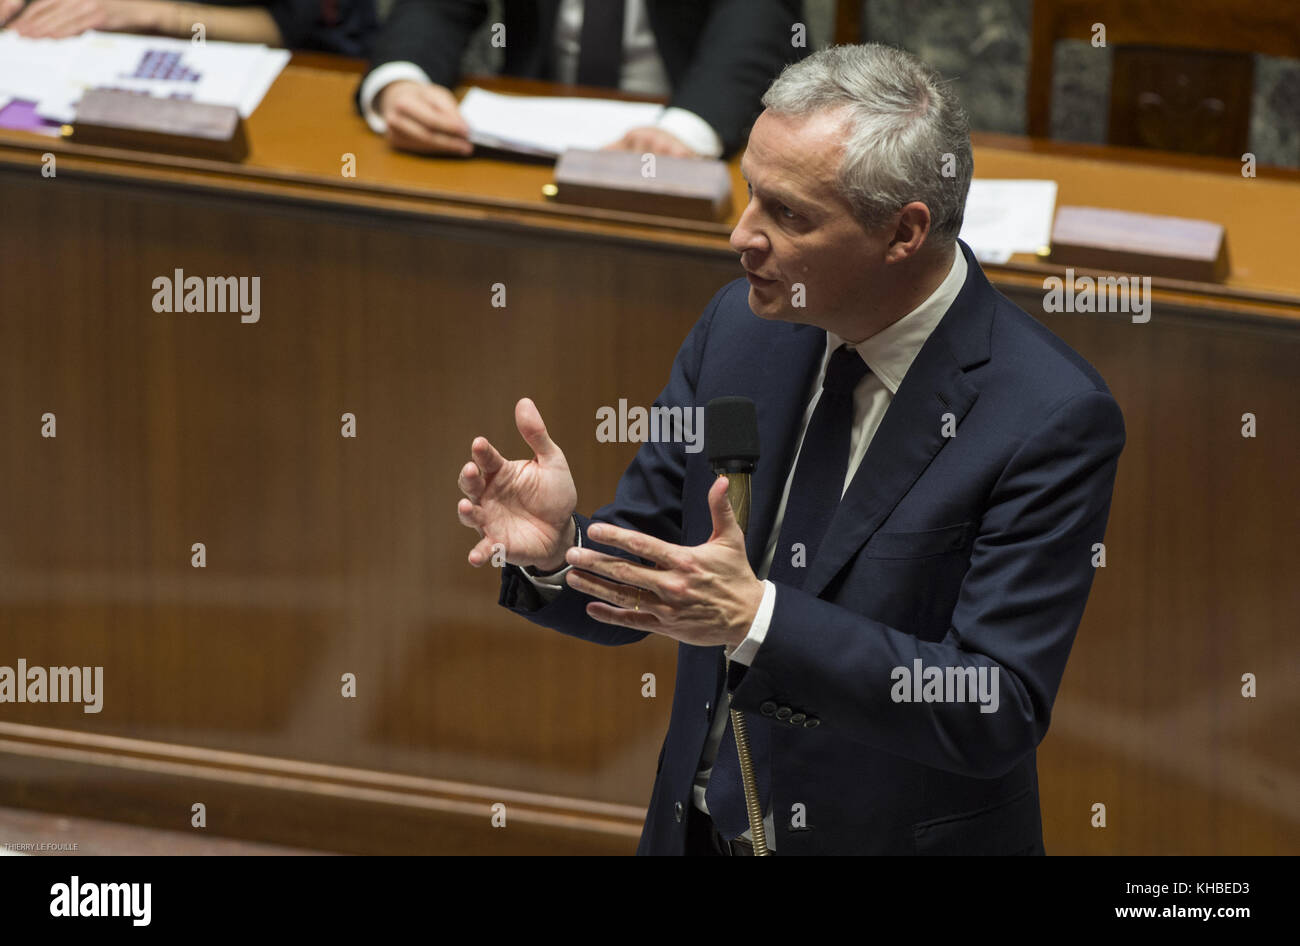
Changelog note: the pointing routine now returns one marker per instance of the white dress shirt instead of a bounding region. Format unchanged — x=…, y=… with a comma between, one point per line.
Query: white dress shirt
x=642, y=71
x=888, y=354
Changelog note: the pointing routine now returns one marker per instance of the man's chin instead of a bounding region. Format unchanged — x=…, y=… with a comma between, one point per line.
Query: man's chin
x=772, y=308
x=770, y=305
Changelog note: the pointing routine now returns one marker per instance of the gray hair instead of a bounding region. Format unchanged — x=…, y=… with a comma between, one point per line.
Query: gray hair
x=908, y=136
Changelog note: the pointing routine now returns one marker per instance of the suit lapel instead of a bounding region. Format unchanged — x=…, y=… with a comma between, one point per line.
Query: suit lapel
x=909, y=437
x=911, y=433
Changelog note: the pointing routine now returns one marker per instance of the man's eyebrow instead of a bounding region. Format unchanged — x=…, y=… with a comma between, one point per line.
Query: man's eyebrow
x=777, y=194
x=785, y=199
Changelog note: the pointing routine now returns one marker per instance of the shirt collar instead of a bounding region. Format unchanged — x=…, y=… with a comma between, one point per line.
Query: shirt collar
x=891, y=351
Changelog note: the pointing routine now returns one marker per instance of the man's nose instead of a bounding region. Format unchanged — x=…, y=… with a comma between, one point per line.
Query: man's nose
x=747, y=235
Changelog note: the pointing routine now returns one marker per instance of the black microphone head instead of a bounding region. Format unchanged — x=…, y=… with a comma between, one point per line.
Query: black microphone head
x=731, y=434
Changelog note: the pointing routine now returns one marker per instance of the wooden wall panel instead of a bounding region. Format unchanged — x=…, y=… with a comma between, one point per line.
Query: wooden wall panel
x=324, y=555
x=328, y=555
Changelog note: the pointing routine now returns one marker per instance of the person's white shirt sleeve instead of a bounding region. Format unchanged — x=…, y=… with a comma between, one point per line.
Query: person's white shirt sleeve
x=747, y=649
x=692, y=131
x=549, y=586
x=380, y=77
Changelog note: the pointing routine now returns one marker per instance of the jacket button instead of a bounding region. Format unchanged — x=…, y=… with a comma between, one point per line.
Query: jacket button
x=708, y=705
x=784, y=712
x=797, y=718
x=812, y=722
x=678, y=811
x=768, y=708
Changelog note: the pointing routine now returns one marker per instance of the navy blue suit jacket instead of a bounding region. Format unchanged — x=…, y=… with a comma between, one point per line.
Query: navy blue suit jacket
x=973, y=550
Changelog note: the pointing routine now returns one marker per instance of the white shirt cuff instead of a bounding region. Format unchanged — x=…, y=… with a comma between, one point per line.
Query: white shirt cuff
x=555, y=582
x=748, y=648
x=692, y=131
x=374, y=83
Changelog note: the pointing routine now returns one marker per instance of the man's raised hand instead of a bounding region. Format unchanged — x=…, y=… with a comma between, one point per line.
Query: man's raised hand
x=704, y=595
x=524, y=505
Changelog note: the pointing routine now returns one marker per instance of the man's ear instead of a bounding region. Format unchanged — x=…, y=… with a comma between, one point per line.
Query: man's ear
x=910, y=233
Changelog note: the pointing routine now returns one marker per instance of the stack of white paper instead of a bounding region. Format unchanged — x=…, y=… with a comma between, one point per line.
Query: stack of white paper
x=33, y=69
x=549, y=126
x=1005, y=217
x=54, y=72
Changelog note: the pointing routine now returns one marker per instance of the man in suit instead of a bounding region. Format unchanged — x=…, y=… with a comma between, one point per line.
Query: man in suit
x=713, y=57
x=936, y=469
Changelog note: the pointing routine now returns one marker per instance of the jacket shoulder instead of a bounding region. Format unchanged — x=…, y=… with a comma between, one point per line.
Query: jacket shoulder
x=1038, y=356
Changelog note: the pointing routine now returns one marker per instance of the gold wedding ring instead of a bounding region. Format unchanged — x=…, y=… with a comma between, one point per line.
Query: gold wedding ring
x=638, y=600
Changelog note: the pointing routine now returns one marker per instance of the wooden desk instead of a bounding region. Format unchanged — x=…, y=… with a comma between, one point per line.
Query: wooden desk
x=328, y=556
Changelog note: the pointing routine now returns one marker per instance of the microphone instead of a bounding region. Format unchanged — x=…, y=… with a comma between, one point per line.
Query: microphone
x=731, y=441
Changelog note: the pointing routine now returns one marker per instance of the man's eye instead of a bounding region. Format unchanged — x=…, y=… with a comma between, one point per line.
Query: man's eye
x=787, y=212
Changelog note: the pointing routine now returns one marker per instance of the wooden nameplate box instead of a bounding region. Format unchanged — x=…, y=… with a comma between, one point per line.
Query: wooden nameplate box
x=1142, y=244
x=696, y=188
x=118, y=119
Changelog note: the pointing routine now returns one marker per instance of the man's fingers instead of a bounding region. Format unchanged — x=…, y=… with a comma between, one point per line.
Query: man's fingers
x=528, y=419
x=38, y=18
x=486, y=456
x=471, y=481
x=620, y=570
x=641, y=620
x=619, y=595
x=432, y=117
x=412, y=104
x=724, y=517
x=59, y=18
x=409, y=134
x=445, y=102
x=654, y=140
x=8, y=8
x=62, y=29
x=481, y=553
x=638, y=543
x=470, y=515
x=36, y=11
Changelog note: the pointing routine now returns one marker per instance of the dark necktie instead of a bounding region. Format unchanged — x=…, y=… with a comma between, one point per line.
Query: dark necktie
x=814, y=494
x=600, y=46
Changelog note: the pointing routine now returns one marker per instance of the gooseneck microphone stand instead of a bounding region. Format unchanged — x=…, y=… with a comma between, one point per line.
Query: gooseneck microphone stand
x=731, y=432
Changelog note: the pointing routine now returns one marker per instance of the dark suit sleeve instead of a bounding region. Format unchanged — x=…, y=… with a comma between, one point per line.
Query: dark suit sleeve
x=1019, y=607
x=744, y=45
x=648, y=499
x=345, y=27
x=432, y=34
